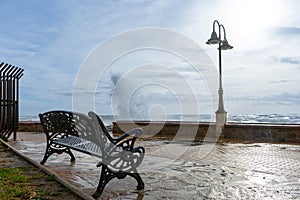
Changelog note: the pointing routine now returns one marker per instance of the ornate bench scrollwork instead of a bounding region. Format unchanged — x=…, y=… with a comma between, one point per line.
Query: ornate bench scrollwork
x=86, y=133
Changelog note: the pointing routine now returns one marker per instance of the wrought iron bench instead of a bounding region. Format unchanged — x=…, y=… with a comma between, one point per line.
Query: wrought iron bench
x=86, y=133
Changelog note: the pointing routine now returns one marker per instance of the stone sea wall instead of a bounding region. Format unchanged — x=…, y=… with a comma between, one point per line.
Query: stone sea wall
x=30, y=126
x=277, y=133
x=263, y=132
x=274, y=133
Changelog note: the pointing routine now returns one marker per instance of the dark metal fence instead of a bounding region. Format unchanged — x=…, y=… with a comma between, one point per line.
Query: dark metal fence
x=9, y=99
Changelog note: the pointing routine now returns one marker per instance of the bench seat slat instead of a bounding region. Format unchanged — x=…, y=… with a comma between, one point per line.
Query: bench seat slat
x=80, y=144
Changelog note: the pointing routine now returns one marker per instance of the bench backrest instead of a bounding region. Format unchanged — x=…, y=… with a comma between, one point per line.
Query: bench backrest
x=104, y=134
x=73, y=123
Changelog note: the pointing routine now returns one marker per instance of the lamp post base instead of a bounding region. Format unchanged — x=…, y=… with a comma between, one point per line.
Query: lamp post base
x=221, y=119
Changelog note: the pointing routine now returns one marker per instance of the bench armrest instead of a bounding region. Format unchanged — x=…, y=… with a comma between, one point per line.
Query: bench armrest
x=126, y=140
x=136, y=132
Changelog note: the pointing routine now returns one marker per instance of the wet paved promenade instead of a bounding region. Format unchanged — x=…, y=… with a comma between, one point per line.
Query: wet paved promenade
x=181, y=170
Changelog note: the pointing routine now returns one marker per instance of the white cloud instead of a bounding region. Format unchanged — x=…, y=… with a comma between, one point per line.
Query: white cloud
x=54, y=38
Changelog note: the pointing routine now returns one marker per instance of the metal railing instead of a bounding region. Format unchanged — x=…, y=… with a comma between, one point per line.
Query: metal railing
x=9, y=99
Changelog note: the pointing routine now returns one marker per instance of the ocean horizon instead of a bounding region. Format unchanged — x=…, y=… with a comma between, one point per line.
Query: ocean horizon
x=234, y=118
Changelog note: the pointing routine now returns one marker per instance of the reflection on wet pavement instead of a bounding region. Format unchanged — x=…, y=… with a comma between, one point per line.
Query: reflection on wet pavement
x=182, y=171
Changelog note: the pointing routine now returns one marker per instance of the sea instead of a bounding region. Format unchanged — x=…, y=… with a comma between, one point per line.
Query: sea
x=231, y=118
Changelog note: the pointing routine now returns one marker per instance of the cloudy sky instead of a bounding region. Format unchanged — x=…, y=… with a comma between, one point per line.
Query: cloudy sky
x=51, y=41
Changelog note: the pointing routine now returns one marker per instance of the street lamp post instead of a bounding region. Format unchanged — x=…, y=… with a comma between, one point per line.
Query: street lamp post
x=221, y=114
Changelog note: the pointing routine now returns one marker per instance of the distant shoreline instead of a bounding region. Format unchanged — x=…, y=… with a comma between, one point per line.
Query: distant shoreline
x=204, y=122
x=231, y=118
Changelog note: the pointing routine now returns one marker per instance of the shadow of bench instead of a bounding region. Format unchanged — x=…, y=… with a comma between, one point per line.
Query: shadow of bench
x=86, y=133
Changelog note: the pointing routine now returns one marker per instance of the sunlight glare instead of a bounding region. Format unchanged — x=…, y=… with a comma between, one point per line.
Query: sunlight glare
x=250, y=20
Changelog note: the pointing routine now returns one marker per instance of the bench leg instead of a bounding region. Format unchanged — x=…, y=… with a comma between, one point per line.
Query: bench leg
x=139, y=180
x=106, y=176
x=50, y=151
x=68, y=151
